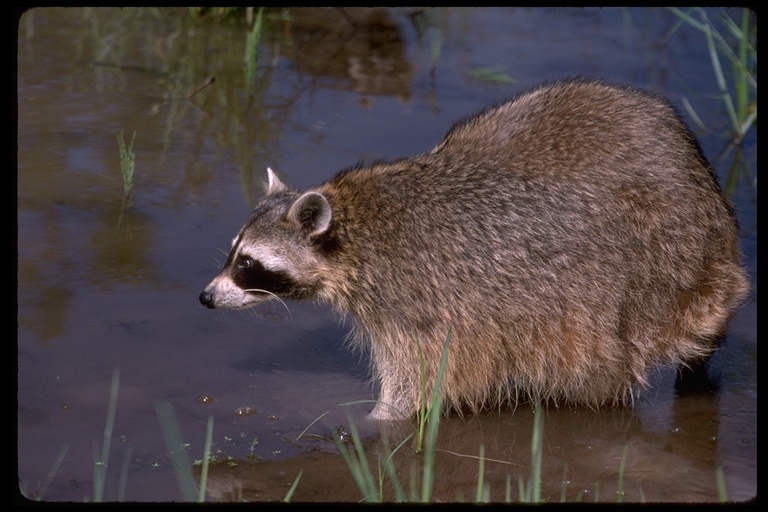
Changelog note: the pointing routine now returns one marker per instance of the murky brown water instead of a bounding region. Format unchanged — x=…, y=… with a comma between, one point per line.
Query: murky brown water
x=104, y=284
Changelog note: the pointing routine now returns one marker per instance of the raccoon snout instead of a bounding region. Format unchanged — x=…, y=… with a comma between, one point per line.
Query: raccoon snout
x=206, y=299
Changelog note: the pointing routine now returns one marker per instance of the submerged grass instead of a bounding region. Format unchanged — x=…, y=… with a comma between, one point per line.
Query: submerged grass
x=357, y=462
x=531, y=492
x=252, y=48
x=43, y=487
x=127, y=162
x=290, y=492
x=182, y=466
x=180, y=462
x=101, y=454
x=620, y=487
x=127, y=168
x=431, y=410
x=493, y=74
x=722, y=492
x=101, y=461
x=433, y=421
x=482, y=490
x=206, y=460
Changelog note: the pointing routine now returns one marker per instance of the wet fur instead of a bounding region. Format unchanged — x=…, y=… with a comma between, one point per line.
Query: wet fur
x=570, y=240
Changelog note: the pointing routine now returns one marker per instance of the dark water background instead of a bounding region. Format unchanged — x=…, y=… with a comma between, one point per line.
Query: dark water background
x=105, y=284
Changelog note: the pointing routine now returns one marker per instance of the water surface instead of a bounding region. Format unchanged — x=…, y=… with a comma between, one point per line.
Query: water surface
x=108, y=282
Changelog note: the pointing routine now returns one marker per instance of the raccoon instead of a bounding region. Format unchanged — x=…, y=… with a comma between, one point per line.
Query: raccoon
x=567, y=241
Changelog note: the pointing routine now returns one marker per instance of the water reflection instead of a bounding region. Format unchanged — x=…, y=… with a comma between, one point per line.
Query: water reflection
x=355, y=49
x=587, y=456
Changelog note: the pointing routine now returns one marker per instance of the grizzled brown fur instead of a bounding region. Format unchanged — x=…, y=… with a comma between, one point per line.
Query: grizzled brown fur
x=569, y=240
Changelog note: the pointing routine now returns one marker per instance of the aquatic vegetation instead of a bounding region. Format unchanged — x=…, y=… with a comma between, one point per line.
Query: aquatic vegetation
x=252, y=49
x=493, y=74
x=127, y=163
x=738, y=91
x=127, y=168
x=101, y=462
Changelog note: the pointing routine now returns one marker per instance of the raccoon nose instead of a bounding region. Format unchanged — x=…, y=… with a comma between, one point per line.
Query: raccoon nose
x=206, y=299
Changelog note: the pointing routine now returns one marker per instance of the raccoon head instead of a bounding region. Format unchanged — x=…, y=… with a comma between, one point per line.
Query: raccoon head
x=275, y=254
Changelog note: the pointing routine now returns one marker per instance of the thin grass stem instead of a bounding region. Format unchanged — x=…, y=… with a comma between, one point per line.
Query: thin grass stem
x=480, y=475
x=620, y=485
x=54, y=469
x=100, y=465
x=179, y=458
x=206, y=460
x=123, y=483
x=722, y=491
x=536, y=453
x=435, y=411
x=295, y=484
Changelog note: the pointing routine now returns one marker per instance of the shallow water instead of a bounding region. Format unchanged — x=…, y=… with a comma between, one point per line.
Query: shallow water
x=106, y=284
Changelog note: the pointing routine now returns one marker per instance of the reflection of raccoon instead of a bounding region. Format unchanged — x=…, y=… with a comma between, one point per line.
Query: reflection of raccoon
x=568, y=240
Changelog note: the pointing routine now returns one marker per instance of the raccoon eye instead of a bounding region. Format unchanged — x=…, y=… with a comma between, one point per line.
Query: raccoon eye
x=244, y=263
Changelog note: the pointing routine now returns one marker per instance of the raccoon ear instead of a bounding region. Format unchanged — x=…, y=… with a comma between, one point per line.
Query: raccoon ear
x=311, y=213
x=274, y=185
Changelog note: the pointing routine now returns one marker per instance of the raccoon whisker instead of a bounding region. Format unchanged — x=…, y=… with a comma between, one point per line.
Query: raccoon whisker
x=273, y=295
x=251, y=309
x=218, y=263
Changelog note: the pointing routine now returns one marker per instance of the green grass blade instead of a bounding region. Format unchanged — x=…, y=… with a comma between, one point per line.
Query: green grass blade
x=620, y=485
x=123, y=484
x=436, y=406
x=694, y=116
x=536, y=453
x=523, y=490
x=100, y=465
x=127, y=162
x=722, y=491
x=719, y=76
x=365, y=468
x=310, y=425
x=687, y=18
x=480, y=476
x=357, y=463
x=206, y=461
x=563, y=484
x=54, y=469
x=295, y=483
x=182, y=466
x=494, y=74
x=422, y=413
x=252, y=48
x=389, y=468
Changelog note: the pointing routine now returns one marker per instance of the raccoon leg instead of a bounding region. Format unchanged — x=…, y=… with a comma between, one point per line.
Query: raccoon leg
x=394, y=402
x=383, y=411
x=388, y=408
